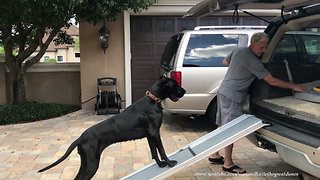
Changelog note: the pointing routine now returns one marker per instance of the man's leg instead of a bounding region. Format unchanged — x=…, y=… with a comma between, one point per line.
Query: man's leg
x=235, y=111
x=216, y=158
x=228, y=162
x=216, y=155
x=228, y=156
x=227, y=111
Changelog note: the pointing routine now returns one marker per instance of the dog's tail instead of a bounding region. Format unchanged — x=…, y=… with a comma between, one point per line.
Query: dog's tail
x=66, y=154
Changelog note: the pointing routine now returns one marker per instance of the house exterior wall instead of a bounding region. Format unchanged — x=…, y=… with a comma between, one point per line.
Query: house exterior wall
x=71, y=55
x=65, y=50
x=63, y=53
x=51, y=54
x=68, y=55
x=95, y=64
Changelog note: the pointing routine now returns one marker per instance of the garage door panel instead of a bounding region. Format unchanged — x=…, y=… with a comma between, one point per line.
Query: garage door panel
x=160, y=48
x=142, y=49
x=149, y=36
x=145, y=71
x=142, y=73
x=141, y=86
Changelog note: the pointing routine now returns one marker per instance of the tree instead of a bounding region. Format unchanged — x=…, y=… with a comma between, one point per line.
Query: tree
x=23, y=24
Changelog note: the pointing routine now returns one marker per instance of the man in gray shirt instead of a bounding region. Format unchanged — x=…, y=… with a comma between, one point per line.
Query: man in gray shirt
x=244, y=67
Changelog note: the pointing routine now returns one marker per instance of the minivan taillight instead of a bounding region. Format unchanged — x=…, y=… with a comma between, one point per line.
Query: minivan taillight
x=176, y=75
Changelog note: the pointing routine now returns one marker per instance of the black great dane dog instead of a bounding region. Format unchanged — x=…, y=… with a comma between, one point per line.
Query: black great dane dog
x=141, y=119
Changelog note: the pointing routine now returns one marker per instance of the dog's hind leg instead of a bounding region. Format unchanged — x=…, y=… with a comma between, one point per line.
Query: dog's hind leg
x=90, y=159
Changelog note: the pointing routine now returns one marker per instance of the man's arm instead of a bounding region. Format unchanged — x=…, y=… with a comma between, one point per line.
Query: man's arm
x=282, y=84
x=225, y=62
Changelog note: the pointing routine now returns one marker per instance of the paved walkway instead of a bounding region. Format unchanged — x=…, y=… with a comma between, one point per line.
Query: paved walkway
x=26, y=148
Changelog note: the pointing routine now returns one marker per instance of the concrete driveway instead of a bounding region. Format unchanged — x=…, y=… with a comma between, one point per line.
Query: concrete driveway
x=26, y=148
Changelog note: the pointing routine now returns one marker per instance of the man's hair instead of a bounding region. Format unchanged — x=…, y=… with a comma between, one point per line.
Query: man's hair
x=259, y=37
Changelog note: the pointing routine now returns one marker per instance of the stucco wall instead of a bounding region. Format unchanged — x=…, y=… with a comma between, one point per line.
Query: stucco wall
x=95, y=64
x=71, y=55
x=47, y=83
x=63, y=53
x=53, y=87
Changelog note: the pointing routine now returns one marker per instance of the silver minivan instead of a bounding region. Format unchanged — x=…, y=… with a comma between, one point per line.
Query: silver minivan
x=194, y=59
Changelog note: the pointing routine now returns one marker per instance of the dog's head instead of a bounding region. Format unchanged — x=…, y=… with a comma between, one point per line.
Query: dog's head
x=167, y=88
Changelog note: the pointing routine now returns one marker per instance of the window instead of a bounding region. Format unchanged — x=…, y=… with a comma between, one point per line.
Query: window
x=313, y=29
x=307, y=51
x=60, y=58
x=187, y=24
x=46, y=58
x=251, y=22
x=286, y=49
x=208, y=22
x=76, y=55
x=143, y=25
x=208, y=50
x=312, y=46
x=228, y=22
x=170, y=52
x=165, y=25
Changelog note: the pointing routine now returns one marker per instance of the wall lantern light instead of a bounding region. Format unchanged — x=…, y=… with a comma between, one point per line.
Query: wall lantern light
x=104, y=34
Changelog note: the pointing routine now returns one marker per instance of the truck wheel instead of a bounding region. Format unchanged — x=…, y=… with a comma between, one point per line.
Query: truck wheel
x=211, y=112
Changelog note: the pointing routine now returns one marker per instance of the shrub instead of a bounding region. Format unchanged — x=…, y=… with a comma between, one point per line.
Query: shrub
x=32, y=111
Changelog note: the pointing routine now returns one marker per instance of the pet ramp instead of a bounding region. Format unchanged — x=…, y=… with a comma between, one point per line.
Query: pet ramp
x=201, y=148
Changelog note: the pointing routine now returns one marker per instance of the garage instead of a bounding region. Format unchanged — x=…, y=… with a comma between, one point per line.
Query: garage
x=149, y=35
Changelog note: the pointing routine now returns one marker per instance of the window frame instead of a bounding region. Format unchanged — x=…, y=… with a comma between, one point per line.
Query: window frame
x=59, y=59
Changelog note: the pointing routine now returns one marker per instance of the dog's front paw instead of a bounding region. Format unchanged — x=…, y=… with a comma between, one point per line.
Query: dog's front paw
x=162, y=164
x=172, y=163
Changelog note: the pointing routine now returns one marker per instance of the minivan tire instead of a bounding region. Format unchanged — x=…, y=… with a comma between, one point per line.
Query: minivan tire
x=210, y=115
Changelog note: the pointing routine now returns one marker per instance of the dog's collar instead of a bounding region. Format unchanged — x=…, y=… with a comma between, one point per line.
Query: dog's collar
x=153, y=97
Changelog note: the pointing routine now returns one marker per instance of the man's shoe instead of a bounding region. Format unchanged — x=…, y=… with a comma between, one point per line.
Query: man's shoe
x=216, y=160
x=232, y=169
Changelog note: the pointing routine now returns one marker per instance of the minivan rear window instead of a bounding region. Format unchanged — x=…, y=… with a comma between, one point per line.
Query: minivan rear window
x=209, y=50
x=170, y=51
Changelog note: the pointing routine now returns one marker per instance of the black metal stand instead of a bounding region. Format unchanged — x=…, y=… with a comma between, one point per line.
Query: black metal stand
x=108, y=101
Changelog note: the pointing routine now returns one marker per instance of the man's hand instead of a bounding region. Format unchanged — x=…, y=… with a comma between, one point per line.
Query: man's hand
x=299, y=87
x=225, y=62
x=282, y=84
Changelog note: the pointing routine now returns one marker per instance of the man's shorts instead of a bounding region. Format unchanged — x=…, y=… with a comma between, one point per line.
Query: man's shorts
x=227, y=110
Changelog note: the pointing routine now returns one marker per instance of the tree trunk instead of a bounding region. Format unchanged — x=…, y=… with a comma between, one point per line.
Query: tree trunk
x=19, y=92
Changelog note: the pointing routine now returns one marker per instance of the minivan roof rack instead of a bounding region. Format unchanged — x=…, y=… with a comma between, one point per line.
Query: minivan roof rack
x=228, y=27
